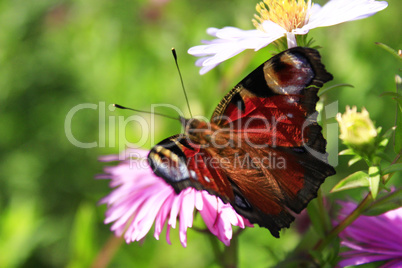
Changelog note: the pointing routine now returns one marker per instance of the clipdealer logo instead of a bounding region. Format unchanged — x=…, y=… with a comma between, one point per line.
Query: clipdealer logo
x=109, y=125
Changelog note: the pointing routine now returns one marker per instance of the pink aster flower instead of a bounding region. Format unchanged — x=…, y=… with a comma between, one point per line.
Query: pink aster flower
x=140, y=199
x=278, y=18
x=372, y=238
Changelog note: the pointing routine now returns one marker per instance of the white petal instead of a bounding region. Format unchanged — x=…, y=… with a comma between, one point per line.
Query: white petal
x=272, y=32
x=206, y=69
x=230, y=51
x=273, y=29
x=315, y=8
x=338, y=11
x=212, y=31
x=233, y=33
x=227, y=50
x=232, y=41
x=211, y=49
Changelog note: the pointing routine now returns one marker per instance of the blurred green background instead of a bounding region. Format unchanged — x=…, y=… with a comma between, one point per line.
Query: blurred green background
x=55, y=55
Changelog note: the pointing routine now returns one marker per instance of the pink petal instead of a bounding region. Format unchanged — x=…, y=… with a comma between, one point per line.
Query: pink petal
x=162, y=216
x=371, y=238
x=186, y=214
x=168, y=235
x=362, y=259
x=140, y=198
x=175, y=210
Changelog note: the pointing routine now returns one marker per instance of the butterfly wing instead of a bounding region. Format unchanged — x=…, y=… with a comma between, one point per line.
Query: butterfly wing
x=283, y=90
x=273, y=109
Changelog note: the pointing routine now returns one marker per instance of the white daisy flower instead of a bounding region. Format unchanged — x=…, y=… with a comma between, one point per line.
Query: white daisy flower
x=278, y=18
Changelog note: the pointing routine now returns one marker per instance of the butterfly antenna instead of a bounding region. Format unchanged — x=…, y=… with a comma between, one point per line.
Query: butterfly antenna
x=145, y=112
x=181, y=80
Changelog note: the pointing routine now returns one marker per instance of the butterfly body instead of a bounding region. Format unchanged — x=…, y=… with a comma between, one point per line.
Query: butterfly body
x=262, y=151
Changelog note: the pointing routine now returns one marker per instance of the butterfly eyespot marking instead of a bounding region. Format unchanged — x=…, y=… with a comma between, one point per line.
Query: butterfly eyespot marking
x=290, y=115
x=242, y=203
x=207, y=179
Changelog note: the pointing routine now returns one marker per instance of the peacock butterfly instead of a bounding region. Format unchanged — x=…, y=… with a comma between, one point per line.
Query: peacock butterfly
x=262, y=151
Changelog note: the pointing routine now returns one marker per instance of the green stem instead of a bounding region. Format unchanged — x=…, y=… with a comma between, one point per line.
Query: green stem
x=323, y=212
x=107, y=252
x=215, y=248
x=229, y=257
x=231, y=253
x=343, y=224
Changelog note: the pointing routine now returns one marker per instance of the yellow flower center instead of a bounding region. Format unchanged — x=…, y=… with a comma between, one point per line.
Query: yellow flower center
x=290, y=14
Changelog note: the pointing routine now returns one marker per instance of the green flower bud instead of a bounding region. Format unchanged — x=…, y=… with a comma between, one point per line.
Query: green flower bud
x=357, y=129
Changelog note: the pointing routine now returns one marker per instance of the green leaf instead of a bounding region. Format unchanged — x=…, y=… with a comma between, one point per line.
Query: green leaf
x=354, y=160
x=392, y=168
x=355, y=180
x=374, y=180
x=347, y=152
x=384, y=142
x=390, y=50
x=383, y=156
x=82, y=237
x=19, y=224
x=386, y=203
x=392, y=94
x=389, y=133
x=379, y=129
x=319, y=216
x=315, y=217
